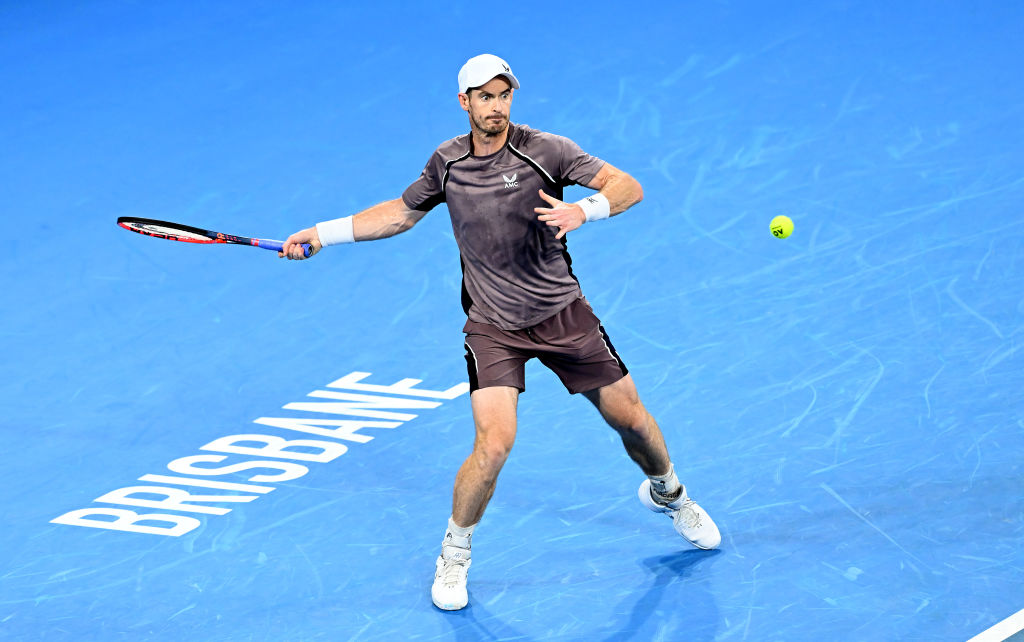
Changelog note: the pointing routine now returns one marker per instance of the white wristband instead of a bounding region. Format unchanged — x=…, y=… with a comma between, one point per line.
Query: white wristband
x=595, y=207
x=336, y=232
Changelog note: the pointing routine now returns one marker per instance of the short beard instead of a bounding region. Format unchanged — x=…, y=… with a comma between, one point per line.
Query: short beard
x=486, y=128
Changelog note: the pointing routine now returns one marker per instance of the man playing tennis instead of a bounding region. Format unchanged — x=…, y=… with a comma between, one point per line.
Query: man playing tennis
x=502, y=183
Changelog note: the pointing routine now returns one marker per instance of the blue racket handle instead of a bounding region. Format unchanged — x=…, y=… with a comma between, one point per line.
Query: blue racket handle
x=277, y=246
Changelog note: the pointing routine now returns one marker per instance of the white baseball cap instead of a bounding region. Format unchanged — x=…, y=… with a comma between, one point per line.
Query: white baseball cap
x=479, y=70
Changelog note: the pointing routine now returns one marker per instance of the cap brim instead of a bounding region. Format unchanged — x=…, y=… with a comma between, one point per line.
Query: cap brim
x=507, y=75
x=511, y=79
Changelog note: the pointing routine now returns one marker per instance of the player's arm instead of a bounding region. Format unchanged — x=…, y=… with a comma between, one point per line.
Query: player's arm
x=617, y=191
x=622, y=190
x=378, y=222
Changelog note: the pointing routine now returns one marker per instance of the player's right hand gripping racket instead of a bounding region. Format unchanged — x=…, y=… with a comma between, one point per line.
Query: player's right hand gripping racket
x=189, y=234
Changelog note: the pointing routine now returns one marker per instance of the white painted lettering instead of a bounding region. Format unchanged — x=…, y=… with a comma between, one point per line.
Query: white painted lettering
x=174, y=499
x=347, y=429
x=345, y=409
x=205, y=483
x=170, y=492
x=403, y=387
x=362, y=405
x=289, y=471
x=278, y=447
x=128, y=520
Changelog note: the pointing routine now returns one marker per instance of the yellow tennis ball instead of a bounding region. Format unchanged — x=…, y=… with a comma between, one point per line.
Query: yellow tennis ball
x=781, y=226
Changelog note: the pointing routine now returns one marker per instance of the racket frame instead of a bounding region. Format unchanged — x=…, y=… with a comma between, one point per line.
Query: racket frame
x=127, y=222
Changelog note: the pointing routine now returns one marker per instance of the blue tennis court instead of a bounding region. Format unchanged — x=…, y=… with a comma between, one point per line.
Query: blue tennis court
x=847, y=403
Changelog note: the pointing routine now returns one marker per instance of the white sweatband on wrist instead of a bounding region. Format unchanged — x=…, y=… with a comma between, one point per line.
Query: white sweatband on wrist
x=336, y=232
x=595, y=207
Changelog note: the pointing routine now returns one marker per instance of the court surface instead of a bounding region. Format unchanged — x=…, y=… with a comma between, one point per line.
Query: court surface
x=847, y=403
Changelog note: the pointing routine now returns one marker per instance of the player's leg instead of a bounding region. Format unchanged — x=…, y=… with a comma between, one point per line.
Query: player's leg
x=494, y=413
x=579, y=351
x=495, y=362
x=620, y=405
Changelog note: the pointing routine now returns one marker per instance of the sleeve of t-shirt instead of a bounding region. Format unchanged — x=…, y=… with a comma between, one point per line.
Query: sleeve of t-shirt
x=426, y=192
x=575, y=165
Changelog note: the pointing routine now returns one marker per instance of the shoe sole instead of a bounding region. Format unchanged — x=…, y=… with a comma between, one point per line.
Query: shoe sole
x=451, y=607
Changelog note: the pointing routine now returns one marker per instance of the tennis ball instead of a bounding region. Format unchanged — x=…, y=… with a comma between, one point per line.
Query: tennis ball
x=781, y=226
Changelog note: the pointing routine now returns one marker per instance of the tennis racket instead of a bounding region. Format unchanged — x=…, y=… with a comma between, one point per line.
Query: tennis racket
x=189, y=234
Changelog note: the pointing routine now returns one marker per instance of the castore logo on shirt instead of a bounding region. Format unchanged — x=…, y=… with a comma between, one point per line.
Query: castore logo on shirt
x=511, y=181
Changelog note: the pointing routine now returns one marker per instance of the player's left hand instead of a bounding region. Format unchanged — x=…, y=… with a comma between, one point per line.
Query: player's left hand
x=565, y=216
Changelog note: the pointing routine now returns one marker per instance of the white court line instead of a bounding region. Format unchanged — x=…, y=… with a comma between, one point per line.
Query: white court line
x=1003, y=630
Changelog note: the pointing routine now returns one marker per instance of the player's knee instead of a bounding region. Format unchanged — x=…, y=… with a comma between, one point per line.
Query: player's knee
x=632, y=421
x=491, y=455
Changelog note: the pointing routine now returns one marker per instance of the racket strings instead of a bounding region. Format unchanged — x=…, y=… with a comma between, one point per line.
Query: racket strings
x=162, y=230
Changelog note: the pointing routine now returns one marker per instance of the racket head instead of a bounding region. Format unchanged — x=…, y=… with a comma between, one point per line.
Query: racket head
x=167, y=230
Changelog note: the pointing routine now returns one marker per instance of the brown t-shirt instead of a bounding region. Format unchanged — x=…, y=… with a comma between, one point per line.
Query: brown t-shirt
x=514, y=273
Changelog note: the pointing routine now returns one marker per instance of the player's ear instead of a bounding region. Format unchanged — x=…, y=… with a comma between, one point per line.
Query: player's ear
x=464, y=101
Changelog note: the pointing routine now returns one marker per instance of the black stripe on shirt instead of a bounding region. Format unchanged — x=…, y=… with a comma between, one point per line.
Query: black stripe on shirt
x=448, y=166
x=548, y=180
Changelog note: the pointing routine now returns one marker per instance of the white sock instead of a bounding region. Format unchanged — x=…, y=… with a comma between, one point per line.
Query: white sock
x=666, y=486
x=457, y=541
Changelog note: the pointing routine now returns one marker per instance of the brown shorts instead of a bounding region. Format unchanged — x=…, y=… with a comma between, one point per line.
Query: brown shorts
x=571, y=343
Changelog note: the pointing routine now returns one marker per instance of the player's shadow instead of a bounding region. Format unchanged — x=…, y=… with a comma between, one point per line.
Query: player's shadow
x=475, y=623
x=692, y=596
x=676, y=575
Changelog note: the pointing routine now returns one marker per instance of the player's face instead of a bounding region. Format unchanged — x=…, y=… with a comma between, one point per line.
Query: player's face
x=488, y=106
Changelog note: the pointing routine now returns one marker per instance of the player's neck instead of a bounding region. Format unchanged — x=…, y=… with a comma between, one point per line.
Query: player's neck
x=485, y=144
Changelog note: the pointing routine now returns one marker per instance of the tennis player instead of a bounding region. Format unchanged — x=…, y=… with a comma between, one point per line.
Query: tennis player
x=502, y=183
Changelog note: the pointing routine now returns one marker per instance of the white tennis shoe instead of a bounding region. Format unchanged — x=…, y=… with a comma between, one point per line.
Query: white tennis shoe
x=449, y=589
x=689, y=519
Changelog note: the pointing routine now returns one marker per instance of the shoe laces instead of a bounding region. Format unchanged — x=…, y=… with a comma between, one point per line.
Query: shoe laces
x=453, y=570
x=688, y=515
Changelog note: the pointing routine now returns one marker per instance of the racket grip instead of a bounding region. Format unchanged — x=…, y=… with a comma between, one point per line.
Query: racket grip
x=277, y=246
